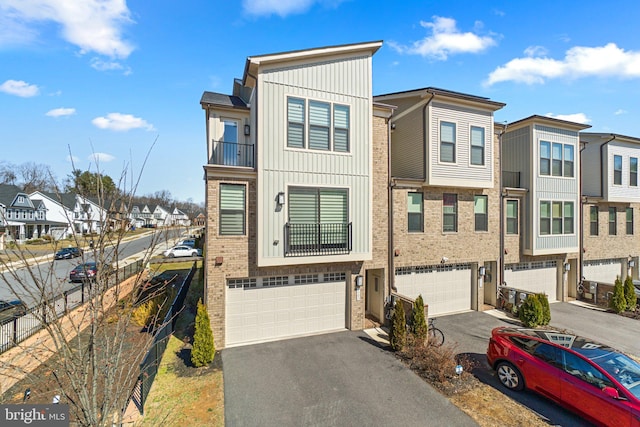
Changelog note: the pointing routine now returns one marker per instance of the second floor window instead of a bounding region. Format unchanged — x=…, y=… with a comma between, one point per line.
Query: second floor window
x=556, y=217
x=633, y=171
x=325, y=128
x=617, y=170
x=449, y=213
x=512, y=217
x=477, y=146
x=612, y=222
x=415, y=213
x=593, y=220
x=629, y=213
x=232, y=209
x=447, y=142
x=480, y=213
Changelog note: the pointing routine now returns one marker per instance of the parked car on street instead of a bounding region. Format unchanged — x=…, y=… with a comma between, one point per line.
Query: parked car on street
x=10, y=310
x=188, y=242
x=596, y=381
x=68, y=253
x=87, y=271
x=181, y=251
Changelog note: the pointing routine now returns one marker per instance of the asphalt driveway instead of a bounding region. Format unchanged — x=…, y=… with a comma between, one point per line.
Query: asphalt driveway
x=339, y=379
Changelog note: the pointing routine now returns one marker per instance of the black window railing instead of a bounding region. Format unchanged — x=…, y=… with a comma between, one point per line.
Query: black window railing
x=511, y=179
x=232, y=154
x=317, y=239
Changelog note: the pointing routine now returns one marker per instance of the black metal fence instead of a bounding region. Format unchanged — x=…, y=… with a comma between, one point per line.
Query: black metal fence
x=232, y=154
x=20, y=328
x=317, y=239
x=151, y=361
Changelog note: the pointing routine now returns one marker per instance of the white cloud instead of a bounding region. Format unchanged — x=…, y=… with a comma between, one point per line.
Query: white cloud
x=72, y=159
x=445, y=40
x=283, y=8
x=92, y=25
x=61, y=112
x=620, y=112
x=532, y=51
x=576, y=117
x=579, y=61
x=101, y=157
x=101, y=65
x=121, y=122
x=19, y=88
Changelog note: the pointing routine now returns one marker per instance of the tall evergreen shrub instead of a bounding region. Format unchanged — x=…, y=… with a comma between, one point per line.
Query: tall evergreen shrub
x=203, y=350
x=630, y=293
x=530, y=311
x=398, y=332
x=419, y=323
x=618, y=302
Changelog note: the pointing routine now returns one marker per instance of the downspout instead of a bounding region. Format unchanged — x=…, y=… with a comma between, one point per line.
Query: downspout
x=582, y=198
x=500, y=279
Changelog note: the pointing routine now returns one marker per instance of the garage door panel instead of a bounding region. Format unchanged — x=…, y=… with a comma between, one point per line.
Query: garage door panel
x=538, y=280
x=603, y=271
x=267, y=313
x=444, y=291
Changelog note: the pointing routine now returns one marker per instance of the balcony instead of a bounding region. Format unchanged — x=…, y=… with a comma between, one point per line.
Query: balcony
x=232, y=154
x=317, y=239
x=510, y=179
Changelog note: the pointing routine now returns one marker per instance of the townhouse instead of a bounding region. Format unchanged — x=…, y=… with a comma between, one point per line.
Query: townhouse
x=296, y=196
x=446, y=198
x=611, y=199
x=541, y=195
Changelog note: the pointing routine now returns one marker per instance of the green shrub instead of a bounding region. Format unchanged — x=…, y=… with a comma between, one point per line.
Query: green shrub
x=618, y=302
x=530, y=311
x=203, y=350
x=144, y=313
x=630, y=293
x=419, y=323
x=546, y=310
x=398, y=332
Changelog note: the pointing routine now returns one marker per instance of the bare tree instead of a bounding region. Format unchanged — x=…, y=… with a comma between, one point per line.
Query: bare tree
x=87, y=350
x=8, y=173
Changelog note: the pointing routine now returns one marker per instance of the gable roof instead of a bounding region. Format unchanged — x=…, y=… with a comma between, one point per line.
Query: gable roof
x=221, y=100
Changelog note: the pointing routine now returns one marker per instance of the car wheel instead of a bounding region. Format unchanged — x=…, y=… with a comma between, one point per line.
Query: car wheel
x=172, y=255
x=510, y=376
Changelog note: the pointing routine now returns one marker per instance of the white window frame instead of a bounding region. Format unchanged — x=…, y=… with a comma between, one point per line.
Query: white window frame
x=419, y=195
x=472, y=146
x=617, y=156
x=454, y=143
x=222, y=232
x=485, y=213
x=562, y=160
x=517, y=217
x=559, y=219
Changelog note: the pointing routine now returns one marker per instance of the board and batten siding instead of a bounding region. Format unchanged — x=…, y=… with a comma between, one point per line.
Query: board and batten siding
x=625, y=192
x=591, y=162
x=407, y=147
x=461, y=173
x=517, y=157
x=555, y=189
x=345, y=81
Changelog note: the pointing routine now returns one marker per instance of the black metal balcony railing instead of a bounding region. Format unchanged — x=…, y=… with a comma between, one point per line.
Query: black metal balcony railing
x=511, y=179
x=317, y=239
x=232, y=154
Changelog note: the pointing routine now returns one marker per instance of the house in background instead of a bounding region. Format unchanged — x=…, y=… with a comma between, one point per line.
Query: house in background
x=541, y=189
x=611, y=199
x=296, y=196
x=161, y=216
x=141, y=216
x=179, y=218
x=58, y=214
x=24, y=218
x=445, y=197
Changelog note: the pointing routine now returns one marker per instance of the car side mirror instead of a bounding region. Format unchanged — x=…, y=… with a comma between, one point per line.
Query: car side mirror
x=611, y=392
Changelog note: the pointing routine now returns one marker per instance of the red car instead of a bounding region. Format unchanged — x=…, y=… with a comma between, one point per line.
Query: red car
x=599, y=383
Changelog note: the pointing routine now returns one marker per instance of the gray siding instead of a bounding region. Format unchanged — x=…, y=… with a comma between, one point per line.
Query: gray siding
x=347, y=82
x=407, y=147
x=591, y=167
x=517, y=157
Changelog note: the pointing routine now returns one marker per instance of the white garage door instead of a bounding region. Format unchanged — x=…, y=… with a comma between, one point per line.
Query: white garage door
x=445, y=288
x=603, y=270
x=268, y=309
x=537, y=277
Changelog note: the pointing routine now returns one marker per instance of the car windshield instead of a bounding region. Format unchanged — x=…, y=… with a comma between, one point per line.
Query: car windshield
x=624, y=369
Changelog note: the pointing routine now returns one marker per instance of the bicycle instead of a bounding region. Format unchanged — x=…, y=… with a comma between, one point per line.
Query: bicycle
x=436, y=337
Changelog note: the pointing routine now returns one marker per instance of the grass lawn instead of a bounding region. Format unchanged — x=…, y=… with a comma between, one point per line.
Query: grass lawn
x=182, y=394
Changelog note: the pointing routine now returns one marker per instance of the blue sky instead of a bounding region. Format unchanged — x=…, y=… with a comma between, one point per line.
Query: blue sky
x=110, y=83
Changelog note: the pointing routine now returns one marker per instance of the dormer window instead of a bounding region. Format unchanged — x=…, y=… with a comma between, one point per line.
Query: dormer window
x=20, y=199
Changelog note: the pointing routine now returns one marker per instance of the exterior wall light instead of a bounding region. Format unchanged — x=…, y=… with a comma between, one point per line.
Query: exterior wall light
x=247, y=130
x=567, y=266
x=280, y=198
x=482, y=271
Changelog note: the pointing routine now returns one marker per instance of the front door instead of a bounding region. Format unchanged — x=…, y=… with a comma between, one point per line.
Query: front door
x=375, y=294
x=230, y=143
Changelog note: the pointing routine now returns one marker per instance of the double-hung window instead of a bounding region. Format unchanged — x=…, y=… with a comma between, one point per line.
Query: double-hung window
x=341, y=128
x=512, y=217
x=556, y=159
x=545, y=158
x=545, y=218
x=629, y=213
x=318, y=220
x=593, y=220
x=617, y=170
x=449, y=213
x=232, y=209
x=318, y=125
x=480, y=213
x=612, y=222
x=568, y=161
x=295, y=122
x=556, y=217
x=567, y=218
x=447, y=142
x=477, y=146
x=415, y=212
x=633, y=171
